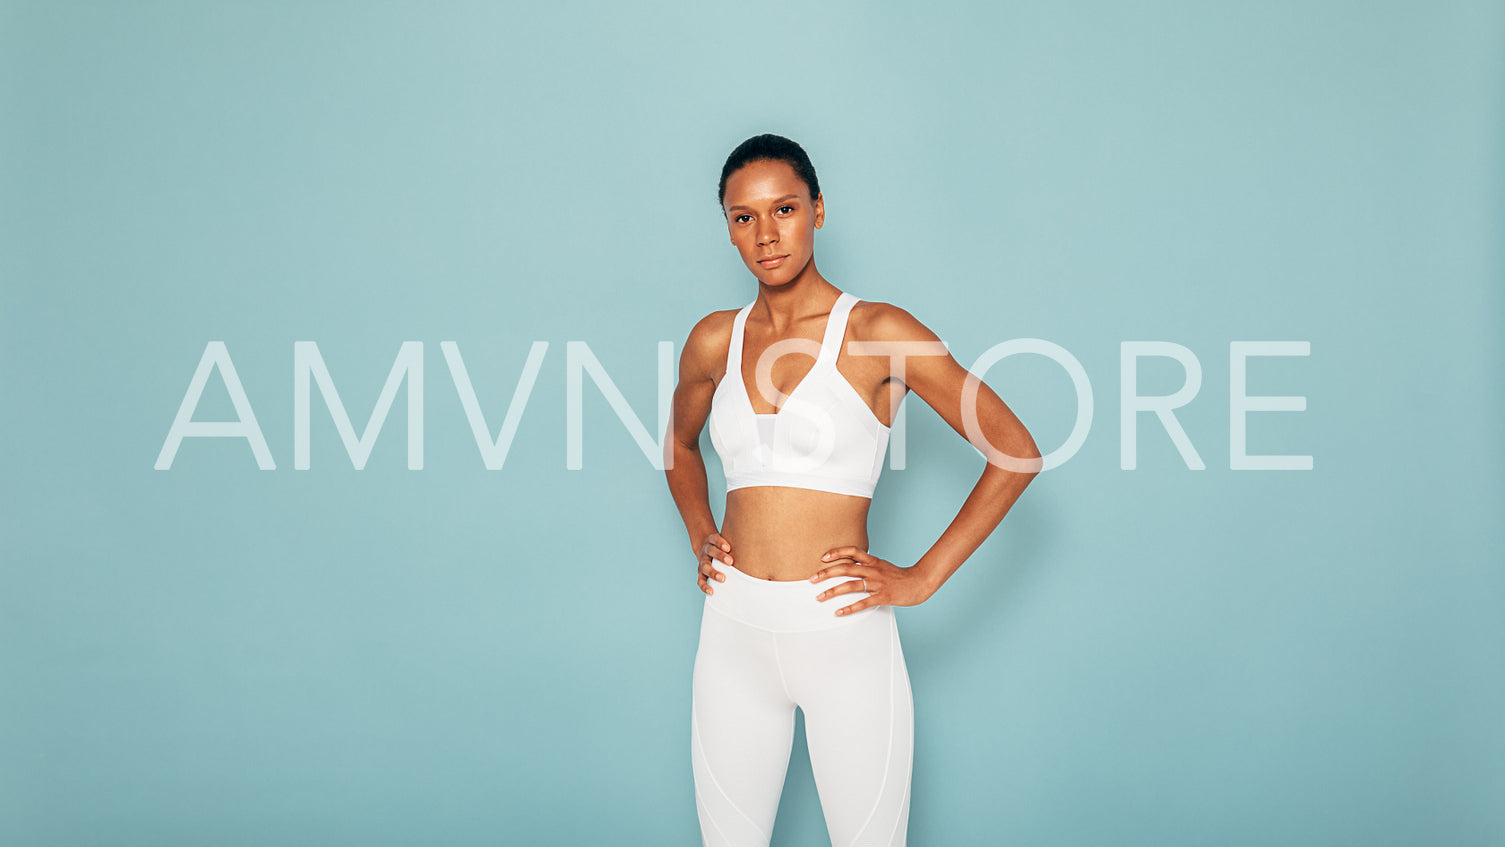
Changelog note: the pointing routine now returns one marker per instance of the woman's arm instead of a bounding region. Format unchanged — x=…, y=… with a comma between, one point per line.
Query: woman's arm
x=1013, y=461
x=683, y=465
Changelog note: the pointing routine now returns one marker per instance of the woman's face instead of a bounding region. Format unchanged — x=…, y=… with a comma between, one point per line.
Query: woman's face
x=772, y=220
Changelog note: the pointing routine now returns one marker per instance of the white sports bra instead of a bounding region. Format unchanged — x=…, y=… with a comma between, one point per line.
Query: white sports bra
x=824, y=437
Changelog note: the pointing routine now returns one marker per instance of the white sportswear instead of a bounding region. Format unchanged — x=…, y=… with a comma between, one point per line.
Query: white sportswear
x=767, y=647
x=825, y=436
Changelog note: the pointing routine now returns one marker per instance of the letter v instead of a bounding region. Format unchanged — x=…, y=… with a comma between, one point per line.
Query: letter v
x=494, y=453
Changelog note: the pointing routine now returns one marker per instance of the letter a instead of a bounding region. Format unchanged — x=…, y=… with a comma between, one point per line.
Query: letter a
x=183, y=426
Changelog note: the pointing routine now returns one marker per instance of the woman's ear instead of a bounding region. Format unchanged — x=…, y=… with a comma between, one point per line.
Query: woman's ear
x=820, y=210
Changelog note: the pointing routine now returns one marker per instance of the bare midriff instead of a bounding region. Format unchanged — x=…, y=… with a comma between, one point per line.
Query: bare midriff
x=781, y=533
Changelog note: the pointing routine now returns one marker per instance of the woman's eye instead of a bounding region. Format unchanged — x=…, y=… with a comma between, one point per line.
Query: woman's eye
x=786, y=208
x=743, y=218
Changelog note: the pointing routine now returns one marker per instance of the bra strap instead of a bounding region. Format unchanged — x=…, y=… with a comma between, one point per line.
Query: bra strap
x=734, y=349
x=836, y=327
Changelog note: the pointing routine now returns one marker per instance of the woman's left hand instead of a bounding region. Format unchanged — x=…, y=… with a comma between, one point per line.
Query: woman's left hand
x=887, y=583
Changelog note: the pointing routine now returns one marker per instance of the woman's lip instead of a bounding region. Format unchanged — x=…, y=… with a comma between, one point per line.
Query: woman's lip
x=773, y=262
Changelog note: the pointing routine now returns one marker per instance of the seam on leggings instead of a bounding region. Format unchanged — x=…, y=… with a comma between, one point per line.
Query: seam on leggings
x=732, y=617
x=842, y=621
x=909, y=775
x=711, y=816
x=706, y=810
x=888, y=757
x=778, y=662
x=899, y=817
x=909, y=781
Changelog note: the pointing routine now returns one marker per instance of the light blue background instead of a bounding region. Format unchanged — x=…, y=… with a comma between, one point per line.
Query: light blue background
x=217, y=654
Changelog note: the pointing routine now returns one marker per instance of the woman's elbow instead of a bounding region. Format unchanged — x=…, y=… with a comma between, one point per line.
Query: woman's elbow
x=1019, y=454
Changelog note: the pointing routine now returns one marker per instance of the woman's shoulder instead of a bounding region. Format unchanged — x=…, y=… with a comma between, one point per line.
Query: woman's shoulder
x=714, y=327
x=875, y=320
x=709, y=340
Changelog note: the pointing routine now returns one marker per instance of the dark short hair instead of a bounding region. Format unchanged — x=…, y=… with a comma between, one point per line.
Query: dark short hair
x=764, y=148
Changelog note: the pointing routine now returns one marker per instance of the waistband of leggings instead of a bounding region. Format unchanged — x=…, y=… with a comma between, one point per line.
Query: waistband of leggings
x=785, y=605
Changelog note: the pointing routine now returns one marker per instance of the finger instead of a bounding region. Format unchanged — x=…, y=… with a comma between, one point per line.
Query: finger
x=844, y=588
x=708, y=568
x=703, y=585
x=709, y=550
x=857, y=607
x=844, y=569
x=720, y=541
x=856, y=554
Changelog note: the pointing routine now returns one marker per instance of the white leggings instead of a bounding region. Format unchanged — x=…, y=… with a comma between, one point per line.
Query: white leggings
x=767, y=647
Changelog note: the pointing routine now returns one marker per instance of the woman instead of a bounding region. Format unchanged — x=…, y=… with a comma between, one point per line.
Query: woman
x=802, y=452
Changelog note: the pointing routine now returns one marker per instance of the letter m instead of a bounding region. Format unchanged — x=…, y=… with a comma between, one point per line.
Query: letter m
x=308, y=362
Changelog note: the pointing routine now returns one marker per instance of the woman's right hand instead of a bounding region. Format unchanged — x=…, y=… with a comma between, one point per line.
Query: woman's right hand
x=712, y=549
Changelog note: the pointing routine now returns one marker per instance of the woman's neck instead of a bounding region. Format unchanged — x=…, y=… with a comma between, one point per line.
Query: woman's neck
x=807, y=294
